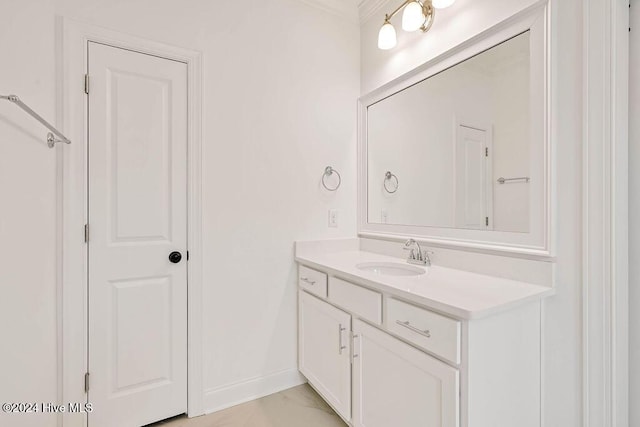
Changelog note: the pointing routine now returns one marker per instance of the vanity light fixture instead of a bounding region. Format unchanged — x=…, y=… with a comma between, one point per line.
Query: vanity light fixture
x=417, y=15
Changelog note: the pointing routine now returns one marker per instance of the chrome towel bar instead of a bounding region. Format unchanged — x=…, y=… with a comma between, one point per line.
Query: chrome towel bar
x=51, y=136
x=502, y=180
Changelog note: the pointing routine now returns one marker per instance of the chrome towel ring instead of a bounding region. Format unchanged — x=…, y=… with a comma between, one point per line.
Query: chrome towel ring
x=388, y=177
x=328, y=171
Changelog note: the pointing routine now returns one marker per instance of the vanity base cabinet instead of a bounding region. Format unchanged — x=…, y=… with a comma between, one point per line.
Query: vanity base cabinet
x=501, y=385
x=394, y=384
x=381, y=375
x=324, y=351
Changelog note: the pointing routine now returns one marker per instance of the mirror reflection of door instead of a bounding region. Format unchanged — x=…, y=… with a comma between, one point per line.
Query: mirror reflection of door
x=473, y=186
x=433, y=135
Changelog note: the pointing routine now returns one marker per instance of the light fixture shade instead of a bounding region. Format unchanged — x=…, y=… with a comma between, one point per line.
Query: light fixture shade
x=412, y=17
x=387, y=37
x=441, y=4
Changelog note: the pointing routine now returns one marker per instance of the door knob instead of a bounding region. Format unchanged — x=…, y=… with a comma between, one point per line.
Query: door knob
x=175, y=257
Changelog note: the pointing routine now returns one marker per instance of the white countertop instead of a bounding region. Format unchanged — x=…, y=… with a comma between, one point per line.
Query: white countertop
x=458, y=293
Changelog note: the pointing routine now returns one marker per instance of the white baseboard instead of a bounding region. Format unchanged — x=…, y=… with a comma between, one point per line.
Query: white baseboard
x=219, y=398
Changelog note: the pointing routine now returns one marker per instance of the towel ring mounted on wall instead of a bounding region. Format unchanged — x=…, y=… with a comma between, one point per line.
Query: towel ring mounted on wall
x=328, y=171
x=390, y=177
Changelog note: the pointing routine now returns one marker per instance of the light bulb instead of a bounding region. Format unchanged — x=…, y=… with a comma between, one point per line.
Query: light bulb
x=441, y=4
x=387, y=37
x=412, y=18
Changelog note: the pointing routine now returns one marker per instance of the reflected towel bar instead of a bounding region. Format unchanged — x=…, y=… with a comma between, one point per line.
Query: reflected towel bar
x=502, y=180
x=51, y=137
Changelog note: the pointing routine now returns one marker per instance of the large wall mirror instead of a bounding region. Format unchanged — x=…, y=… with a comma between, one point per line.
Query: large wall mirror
x=458, y=152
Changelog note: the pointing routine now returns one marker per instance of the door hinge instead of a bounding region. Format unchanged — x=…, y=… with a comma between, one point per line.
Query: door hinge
x=486, y=151
x=86, y=84
x=486, y=221
x=86, y=233
x=187, y=255
x=86, y=382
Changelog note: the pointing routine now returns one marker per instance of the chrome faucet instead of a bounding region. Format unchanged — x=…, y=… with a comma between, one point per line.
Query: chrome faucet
x=418, y=257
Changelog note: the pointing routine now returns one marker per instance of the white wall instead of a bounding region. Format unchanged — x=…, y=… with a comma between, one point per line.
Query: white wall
x=562, y=313
x=634, y=214
x=27, y=212
x=281, y=82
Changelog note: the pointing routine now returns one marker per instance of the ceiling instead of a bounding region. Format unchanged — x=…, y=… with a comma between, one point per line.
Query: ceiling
x=357, y=10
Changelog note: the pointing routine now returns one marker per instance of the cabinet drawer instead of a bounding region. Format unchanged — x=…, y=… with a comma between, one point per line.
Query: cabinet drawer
x=356, y=299
x=430, y=331
x=312, y=281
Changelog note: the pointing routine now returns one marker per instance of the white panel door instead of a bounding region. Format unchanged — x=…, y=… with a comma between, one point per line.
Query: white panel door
x=137, y=218
x=472, y=181
x=324, y=351
x=395, y=384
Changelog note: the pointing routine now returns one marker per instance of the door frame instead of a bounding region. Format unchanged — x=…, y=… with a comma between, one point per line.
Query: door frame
x=605, y=281
x=72, y=40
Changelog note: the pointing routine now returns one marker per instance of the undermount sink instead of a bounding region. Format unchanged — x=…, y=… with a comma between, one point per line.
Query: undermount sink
x=391, y=269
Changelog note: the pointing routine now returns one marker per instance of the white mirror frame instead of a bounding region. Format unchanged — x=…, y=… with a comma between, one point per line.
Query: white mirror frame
x=537, y=243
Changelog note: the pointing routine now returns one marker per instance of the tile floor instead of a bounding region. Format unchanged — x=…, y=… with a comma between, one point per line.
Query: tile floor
x=296, y=407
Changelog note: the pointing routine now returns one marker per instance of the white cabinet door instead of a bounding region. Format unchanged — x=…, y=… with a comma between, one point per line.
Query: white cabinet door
x=395, y=384
x=324, y=351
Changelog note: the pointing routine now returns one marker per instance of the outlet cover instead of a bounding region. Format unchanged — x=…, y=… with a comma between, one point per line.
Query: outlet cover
x=333, y=218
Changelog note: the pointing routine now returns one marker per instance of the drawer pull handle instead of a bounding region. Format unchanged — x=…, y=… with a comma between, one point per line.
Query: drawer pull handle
x=311, y=282
x=408, y=325
x=340, y=345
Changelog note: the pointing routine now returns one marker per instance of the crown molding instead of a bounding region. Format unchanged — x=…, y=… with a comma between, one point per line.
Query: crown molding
x=347, y=9
x=368, y=8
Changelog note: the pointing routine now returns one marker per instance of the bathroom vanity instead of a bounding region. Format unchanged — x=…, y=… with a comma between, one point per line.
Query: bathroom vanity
x=455, y=154
x=391, y=346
